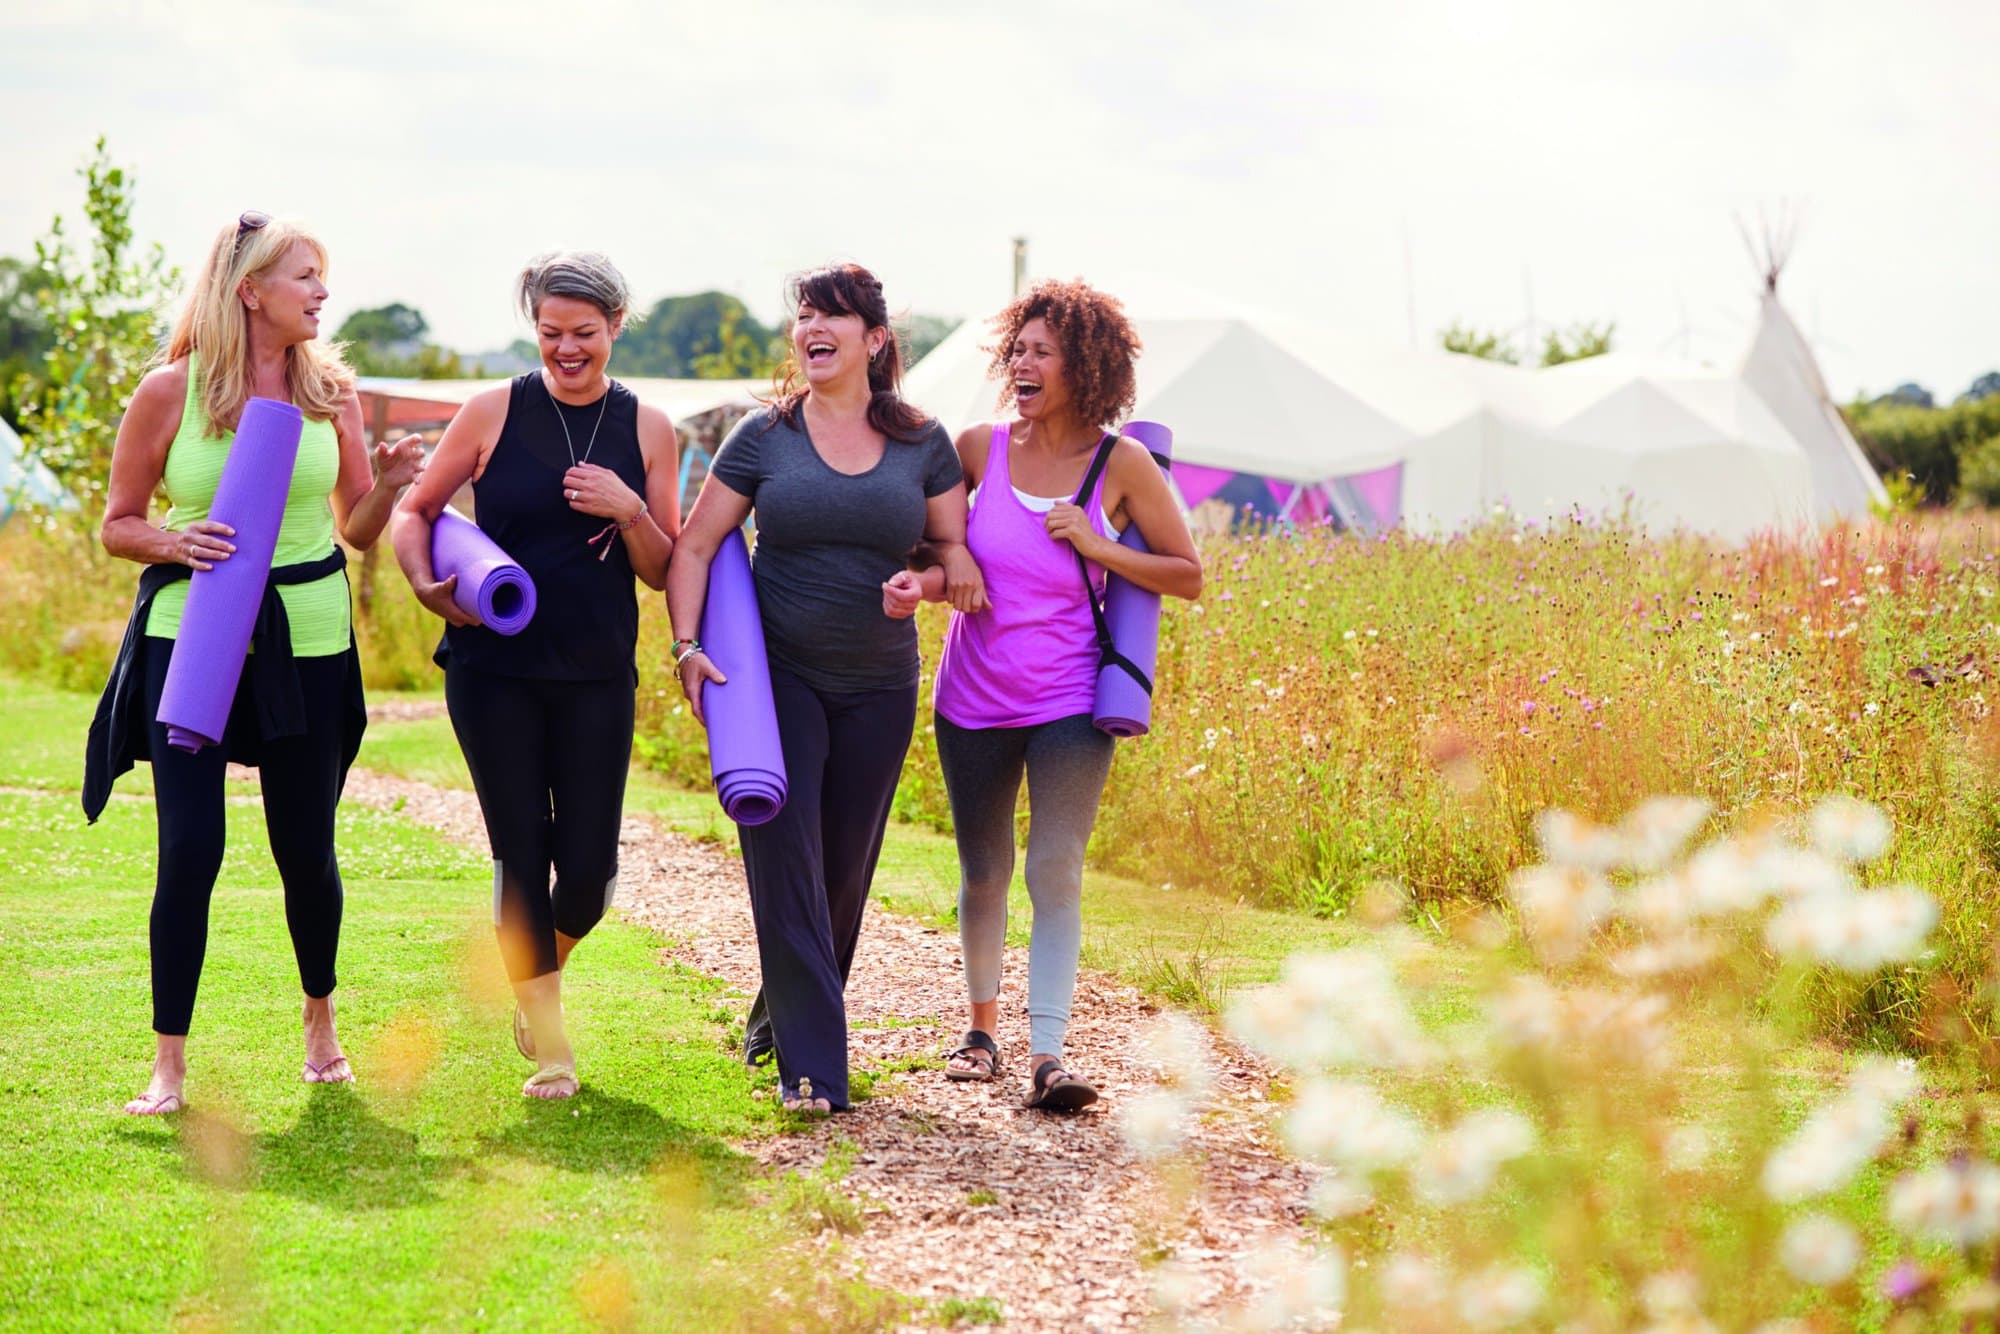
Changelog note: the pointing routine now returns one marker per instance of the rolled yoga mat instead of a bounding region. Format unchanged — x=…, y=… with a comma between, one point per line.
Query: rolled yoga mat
x=743, y=749
x=222, y=602
x=490, y=585
x=1124, y=707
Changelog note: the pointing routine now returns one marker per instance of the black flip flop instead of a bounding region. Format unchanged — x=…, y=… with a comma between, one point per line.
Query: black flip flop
x=975, y=1040
x=1071, y=1095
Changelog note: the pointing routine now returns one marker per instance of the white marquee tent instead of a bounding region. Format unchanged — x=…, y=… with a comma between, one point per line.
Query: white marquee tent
x=1780, y=367
x=1375, y=435
x=26, y=481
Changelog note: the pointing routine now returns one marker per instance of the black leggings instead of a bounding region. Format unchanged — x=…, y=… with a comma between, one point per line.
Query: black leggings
x=548, y=759
x=810, y=867
x=301, y=779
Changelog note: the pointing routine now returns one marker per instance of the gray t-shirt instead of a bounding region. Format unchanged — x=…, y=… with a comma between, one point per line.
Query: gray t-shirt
x=825, y=543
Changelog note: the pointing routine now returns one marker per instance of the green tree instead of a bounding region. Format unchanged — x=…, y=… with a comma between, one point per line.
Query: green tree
x=394, y=327
x=1470, y=342
x=102, y=303
x=389, y=340
x=1580, y=341
x=740, y=354
x=25, y=337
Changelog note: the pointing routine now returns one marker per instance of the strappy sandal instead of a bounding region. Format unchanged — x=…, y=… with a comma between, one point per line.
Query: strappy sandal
x=804, y=1101
x=524, y=1037
x=975, y=1042
x=1065, y=1094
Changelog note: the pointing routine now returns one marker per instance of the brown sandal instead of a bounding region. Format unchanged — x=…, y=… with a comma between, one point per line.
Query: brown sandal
x=973, y=1046
x=1057, y=1090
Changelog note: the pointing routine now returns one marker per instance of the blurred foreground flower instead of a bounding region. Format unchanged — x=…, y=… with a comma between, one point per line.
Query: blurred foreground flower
x=1956, y=1202
x=1820, y=1250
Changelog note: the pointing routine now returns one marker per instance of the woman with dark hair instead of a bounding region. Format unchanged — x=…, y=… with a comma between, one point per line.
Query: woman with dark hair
x=1052, y=490
x=845, y=478
x=251, y=329
x=575, y=479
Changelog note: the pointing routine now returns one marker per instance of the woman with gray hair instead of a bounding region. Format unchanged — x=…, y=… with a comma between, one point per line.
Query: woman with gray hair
x=576, y=480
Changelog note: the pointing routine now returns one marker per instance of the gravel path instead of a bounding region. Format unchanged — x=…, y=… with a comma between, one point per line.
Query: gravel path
x=965, y=1193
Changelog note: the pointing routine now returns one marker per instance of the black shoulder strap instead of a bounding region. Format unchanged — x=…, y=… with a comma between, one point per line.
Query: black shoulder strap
x=1107, y=648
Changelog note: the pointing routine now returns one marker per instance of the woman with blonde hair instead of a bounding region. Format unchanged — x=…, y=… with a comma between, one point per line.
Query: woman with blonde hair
x=248, y=331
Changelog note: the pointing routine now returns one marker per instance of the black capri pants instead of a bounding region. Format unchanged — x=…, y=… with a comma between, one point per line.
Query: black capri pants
x=548, y=759
x=301, y=779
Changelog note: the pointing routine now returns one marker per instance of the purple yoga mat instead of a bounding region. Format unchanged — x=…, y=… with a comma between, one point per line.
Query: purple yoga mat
x=1123, y=708
x=222, y=602
x=743, y=749
x=490, y=585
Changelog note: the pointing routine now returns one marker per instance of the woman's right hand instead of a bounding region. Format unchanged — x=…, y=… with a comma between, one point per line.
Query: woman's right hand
x=439, y=596
x=202, y=543
x=696, y=670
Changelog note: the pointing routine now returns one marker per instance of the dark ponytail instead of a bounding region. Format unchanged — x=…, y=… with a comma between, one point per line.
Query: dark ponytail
x=849, y=289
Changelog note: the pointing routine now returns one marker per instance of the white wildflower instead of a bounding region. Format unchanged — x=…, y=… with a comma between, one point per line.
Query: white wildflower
x=1337, y=1008
x=1177, y=1286
x=1956, y=1202
x=1841, y=1136
x=1820, y=1250
x=1675, y=954
x=1582, y=1022
x=1850, y=830
x=1499, y=1297
x=1155, y=1123
x=1674, y=1293
x=1461, y=1163
x=1411, y=1283
x=1657, y=829
x=1175, y=1047
x=1295, y=1286
x=1568, y=839
x=1349, y=1126
x=1337, y=1196
x=1686, y=1148
x=1855, y=932
x=1560, y=906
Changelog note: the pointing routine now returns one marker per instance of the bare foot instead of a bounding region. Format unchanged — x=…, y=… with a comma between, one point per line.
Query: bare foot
x=325, y=1063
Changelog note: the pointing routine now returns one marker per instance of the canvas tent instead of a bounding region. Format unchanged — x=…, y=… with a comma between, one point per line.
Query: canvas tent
x=1780, y=367
x=1250, y=414
x=25, y=481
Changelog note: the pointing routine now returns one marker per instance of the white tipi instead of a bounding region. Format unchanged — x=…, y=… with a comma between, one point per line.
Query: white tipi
x=1780, y=367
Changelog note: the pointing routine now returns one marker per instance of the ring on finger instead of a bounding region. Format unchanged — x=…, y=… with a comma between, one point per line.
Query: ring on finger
x=569, y=495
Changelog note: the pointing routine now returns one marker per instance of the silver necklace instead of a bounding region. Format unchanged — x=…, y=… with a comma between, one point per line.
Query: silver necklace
x=589, y=444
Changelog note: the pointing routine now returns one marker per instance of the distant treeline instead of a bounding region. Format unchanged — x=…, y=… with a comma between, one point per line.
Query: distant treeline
x=1952, y=452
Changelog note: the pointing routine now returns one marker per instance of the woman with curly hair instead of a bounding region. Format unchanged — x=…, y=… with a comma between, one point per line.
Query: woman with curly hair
x=1052, y=490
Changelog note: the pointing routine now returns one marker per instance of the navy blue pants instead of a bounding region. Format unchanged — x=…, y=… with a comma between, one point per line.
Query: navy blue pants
x=810, y=867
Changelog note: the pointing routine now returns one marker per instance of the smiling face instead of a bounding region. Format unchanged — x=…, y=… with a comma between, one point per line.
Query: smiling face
x=286, y=297
x=1035, y=365
x=575, y=338
x=830, y=347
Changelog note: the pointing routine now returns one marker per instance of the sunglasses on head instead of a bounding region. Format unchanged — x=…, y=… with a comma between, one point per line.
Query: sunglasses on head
x=248, y=221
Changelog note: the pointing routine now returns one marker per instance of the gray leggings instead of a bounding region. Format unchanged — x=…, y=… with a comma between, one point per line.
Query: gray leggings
x=1066, y=762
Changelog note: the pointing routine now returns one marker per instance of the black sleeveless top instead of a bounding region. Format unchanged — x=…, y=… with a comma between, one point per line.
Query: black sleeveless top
x=586, y=620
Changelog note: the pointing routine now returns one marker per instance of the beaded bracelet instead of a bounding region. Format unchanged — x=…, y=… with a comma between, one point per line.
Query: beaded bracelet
x=684, y=649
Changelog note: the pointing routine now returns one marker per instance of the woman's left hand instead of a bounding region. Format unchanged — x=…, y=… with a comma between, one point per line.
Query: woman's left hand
x=398, y=465
x=1068, y=523
x=590, y=489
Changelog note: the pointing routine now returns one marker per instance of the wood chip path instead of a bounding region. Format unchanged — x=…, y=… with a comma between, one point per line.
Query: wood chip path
x=1064, y=1208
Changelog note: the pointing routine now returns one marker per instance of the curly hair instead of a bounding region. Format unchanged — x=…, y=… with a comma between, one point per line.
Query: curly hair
x=1098, y=346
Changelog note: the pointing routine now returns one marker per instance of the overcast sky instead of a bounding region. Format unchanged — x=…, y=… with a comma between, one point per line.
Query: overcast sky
x=1589, y=157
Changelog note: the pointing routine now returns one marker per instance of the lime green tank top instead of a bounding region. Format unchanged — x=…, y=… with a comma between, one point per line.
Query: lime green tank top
x=318, y=611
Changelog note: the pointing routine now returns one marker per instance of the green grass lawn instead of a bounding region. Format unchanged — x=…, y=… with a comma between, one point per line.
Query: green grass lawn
x=427, y=1194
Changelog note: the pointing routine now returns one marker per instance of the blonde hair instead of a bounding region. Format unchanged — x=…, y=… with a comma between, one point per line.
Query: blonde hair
x=215, y=327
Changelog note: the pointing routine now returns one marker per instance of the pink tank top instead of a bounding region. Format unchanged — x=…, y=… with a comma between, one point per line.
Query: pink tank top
x=1031, y=656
